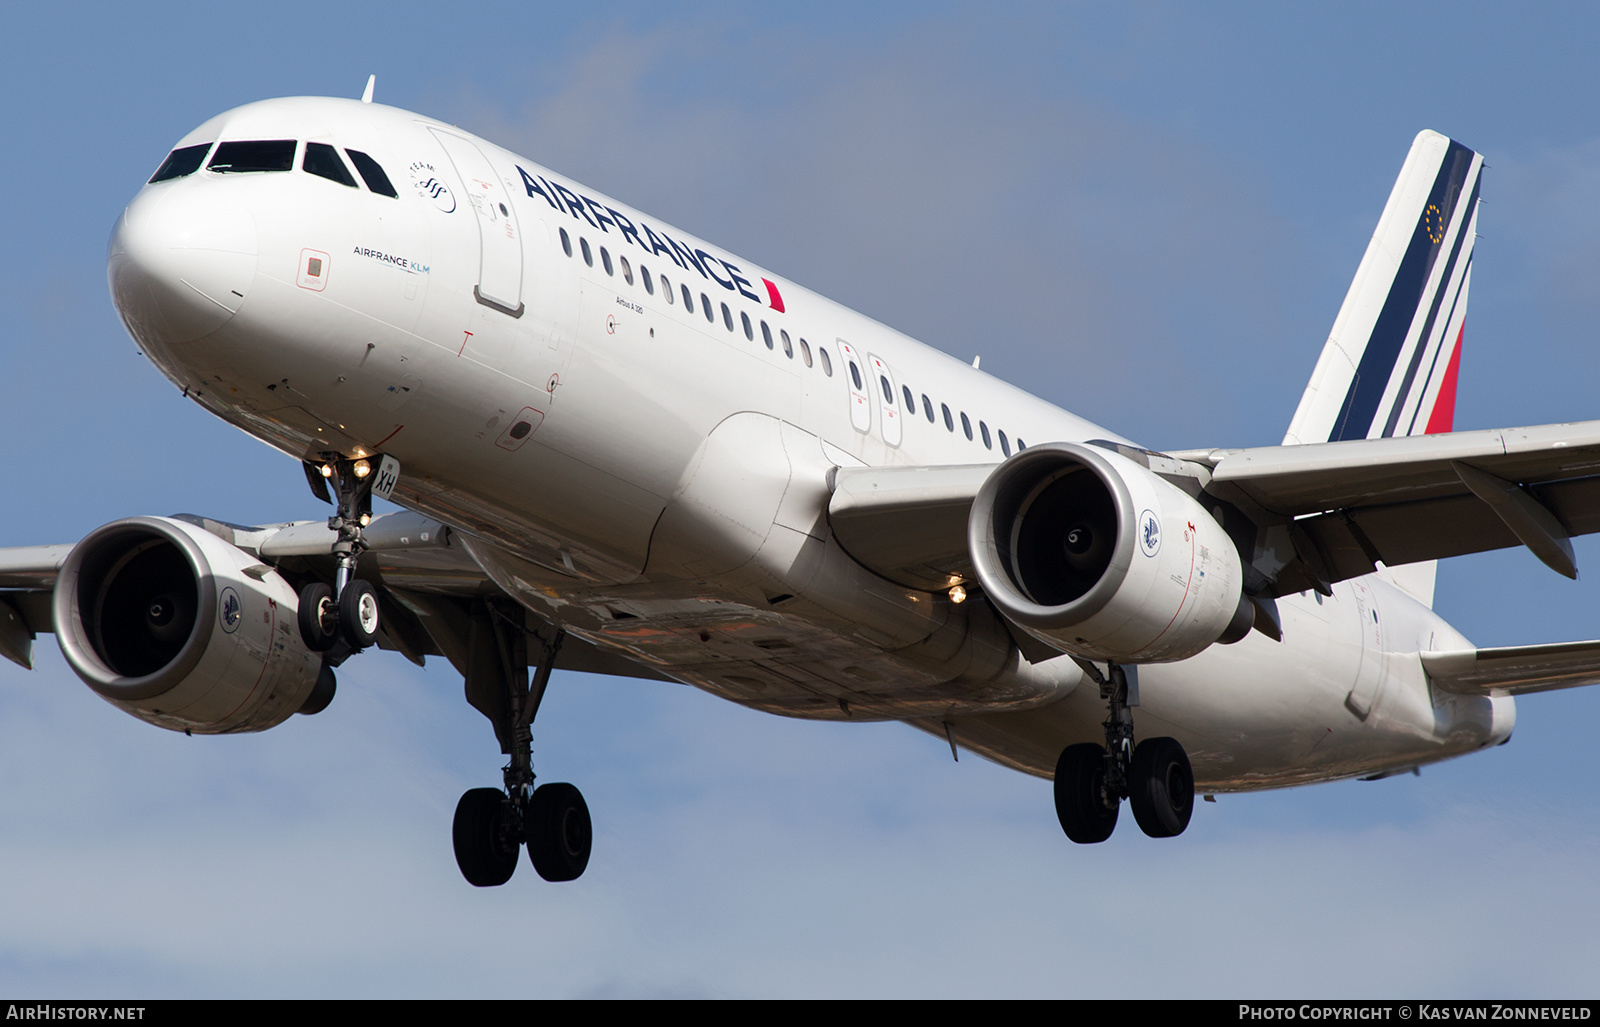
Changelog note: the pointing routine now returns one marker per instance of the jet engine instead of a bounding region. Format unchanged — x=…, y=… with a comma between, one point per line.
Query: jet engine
x=179, y=628
x=1098, y=557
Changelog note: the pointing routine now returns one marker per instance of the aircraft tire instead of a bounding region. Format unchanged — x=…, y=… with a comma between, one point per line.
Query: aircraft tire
x=1161, y=787
x=358, y=614
x=485, y=859
x=559, y=832
x=1080, y=794
x=316, y=631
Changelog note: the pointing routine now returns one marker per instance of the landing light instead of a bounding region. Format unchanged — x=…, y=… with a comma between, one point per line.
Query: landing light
x=362, y=468
x=327, y=471
x=366, y=519
x=958, y=594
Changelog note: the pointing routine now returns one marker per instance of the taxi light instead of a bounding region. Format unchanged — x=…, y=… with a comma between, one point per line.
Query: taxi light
x=362, y=468
x=958, y=595
x=366, y=519
x=327, y=471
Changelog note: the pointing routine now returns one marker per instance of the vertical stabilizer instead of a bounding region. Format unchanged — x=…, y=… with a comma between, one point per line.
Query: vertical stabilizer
x=1389, y=366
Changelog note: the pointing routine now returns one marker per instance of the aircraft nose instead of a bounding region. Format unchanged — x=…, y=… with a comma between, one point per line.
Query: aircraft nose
x=180, y=264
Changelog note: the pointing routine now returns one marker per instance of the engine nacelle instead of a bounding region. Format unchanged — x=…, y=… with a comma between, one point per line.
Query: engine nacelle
x=1097, y=556
x=181, y=629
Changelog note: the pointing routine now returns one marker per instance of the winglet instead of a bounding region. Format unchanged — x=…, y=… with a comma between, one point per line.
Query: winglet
x=366, y=94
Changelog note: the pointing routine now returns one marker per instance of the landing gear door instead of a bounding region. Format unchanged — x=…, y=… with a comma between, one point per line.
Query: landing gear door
x=500, y=269
x=1364, y=695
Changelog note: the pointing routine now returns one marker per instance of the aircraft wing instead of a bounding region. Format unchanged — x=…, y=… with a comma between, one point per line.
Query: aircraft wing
x=908, y=524
x=1319, y=513
x=1347, y=505
x=1515, y=670
x=426, y=587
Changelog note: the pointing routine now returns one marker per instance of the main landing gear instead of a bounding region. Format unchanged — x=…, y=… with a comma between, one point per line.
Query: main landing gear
x=492, y=825
x=1092, y=780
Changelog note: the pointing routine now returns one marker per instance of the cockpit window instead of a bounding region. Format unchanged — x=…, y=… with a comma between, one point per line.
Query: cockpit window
x=183, y=161
x=371, y=173
x=253, y=155
x=322, y=159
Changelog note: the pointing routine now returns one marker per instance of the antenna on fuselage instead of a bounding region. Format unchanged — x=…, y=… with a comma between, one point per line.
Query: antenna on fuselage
x=366, y=94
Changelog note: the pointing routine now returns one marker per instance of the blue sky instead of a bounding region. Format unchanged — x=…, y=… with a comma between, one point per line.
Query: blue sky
x=1146, y=213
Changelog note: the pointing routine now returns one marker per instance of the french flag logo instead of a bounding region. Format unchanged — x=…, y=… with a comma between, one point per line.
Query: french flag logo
x=773, y=295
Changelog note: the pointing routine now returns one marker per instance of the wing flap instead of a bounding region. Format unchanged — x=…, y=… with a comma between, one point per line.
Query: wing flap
x=1515, y=670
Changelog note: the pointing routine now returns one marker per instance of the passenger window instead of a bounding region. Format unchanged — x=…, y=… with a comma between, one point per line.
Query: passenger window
x=182, y=161
x=322, y=159
x=705, y=307
x=949, y=423
x=827, y=365
x=605, y=260
x=855, y=374
x=766, y=335
x=911, y=403
x=1005, y=445
x=966, y=425
x=983, y=429
x=888, y=391
x=254, y=155
x=727, y=317
x=666, y=290
x=805, y=352
x=649, y=286
x=588, y=257
x=688, y=301
x=749, y=332
x=1023, y=445
x=566, y=242
x=927, y=407
x=371, y=173
x=788, y=347
x=627, y=272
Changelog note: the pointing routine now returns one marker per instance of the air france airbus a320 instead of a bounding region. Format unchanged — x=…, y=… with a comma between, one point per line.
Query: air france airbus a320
x=622, y=449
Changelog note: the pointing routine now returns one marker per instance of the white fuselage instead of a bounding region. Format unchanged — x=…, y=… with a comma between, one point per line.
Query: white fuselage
x=657, y=481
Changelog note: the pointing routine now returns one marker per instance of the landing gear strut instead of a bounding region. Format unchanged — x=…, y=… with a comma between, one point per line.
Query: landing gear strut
x=552, y=820
x=1092, y=780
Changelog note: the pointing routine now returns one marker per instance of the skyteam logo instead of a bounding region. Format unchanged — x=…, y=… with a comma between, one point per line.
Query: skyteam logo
x=425, y=178
x=231, y=610
x=1149, y=533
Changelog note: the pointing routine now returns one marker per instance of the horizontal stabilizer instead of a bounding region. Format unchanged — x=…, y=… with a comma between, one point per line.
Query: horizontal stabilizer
x=1515, y=670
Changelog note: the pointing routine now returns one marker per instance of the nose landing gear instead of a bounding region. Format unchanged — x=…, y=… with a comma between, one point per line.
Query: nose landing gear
x=1092, y=780
x=348, y=610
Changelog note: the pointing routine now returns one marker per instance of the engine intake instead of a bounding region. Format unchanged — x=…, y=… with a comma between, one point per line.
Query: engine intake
x=1097, y=556
x=181, y=629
